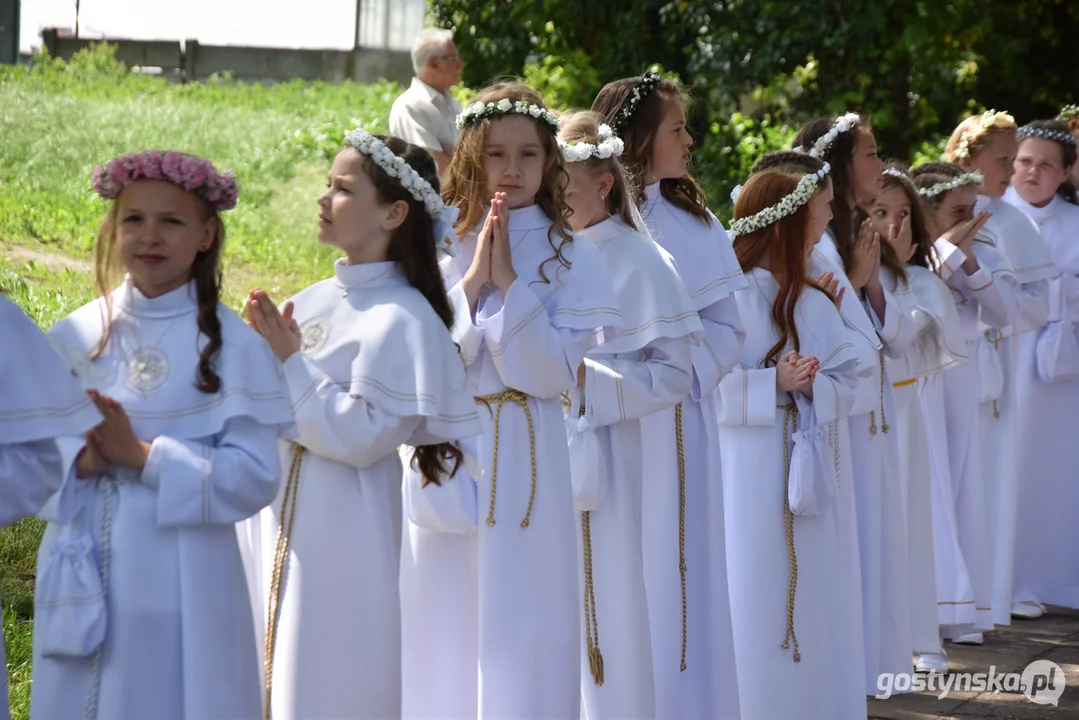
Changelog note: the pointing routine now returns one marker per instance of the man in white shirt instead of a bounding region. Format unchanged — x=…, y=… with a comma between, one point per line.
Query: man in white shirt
x=426, y=113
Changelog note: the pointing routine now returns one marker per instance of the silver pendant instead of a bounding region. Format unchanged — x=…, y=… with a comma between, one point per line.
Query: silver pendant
x=147, y=368
x=314, y=334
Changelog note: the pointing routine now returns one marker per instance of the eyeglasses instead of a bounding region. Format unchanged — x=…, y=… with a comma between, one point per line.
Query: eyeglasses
x=455, y=59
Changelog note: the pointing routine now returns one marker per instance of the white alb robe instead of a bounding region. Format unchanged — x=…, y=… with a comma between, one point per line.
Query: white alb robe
x=708, y=687
x=938, y=345
x=1019, y=239
x=491, y=613
x=991, y=295
x=881, y=520
x=378, y=369
x=179, y=637
x=39, y=402
x=755, y=433
x=1045, y=571
x=647, y=368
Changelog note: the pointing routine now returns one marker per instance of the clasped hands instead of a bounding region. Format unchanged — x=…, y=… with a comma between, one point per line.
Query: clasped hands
x=492, y=265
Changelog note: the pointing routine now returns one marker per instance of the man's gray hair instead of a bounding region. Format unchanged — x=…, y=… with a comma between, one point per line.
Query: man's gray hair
x=430, y=43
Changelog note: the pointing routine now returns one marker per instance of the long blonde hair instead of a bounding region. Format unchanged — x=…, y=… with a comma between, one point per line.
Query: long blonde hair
x=466, y=185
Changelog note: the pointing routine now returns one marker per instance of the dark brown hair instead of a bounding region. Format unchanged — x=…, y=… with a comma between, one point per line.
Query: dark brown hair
x=639, y=133
x=840, y=155
x=413, y=247
x=928, y=175
x=466, y=182
x=919, y=226
x=584, y=127
x=781, y=245
x=1067, y=153
x=796, y=162
x=206, y=271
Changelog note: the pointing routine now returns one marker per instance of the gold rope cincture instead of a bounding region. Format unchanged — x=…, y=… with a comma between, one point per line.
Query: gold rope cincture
x=994, y=340
x=681, y=523
x=500, y=399
x=280, y=561
x=884, y=426
x=790, y=418
x=591, y=624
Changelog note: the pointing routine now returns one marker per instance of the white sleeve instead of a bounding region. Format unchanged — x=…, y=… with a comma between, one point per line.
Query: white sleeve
x=338, y=425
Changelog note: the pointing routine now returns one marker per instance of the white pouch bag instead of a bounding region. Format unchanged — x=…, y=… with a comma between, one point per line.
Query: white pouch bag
x=450, y=507
x=812, y=482
x=1057, y=350
x=70, y=616
x=588, y=468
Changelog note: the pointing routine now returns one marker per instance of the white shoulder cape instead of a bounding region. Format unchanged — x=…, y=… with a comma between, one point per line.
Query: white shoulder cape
x=588, y=303
x=651, y=297
x=705, y=256
x=1018, y=239
x=41, y=397
x=159, y=394
x=372, y=333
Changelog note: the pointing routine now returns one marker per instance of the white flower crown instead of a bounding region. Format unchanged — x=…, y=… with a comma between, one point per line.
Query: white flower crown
x=986, y=121
x=1068, y=112
x=477, y=111
x=806, y=189
x=1056, y=136
x=824, y=143
x=645, y=87
x=971, y=178
x=896, y=173
x=421, y=190
x=609, y=146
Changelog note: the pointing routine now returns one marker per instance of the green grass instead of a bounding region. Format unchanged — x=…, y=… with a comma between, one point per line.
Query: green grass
x=59, y=120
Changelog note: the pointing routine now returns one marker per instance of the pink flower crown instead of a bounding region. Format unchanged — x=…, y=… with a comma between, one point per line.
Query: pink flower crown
x=192, y=173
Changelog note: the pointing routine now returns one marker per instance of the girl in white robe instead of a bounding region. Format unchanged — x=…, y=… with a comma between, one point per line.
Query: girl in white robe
x=939, y=344
x=990, y=148
x=782, y=482
x=40, y=401
x=370, y=365
x=499, y=557
x=879, y=312
x=683, y=515
x=646, y=369
x=1047, y=380
x=141, y=606
x=987, y=291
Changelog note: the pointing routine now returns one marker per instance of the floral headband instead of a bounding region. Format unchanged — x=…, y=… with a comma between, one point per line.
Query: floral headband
x=824, y=142
x=478, y=111
x=647, y=85
x=893, y=172
x=971, y=178
x=395, y=166
x=806, y=189
x=1057, y=136
x=609, y=146
x=193, y=174
x=1068, y=112
x=986, y=121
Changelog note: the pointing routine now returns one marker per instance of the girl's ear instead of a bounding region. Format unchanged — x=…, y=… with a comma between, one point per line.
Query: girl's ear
x=395, y=216
x=209, y=232
x=606, y=182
